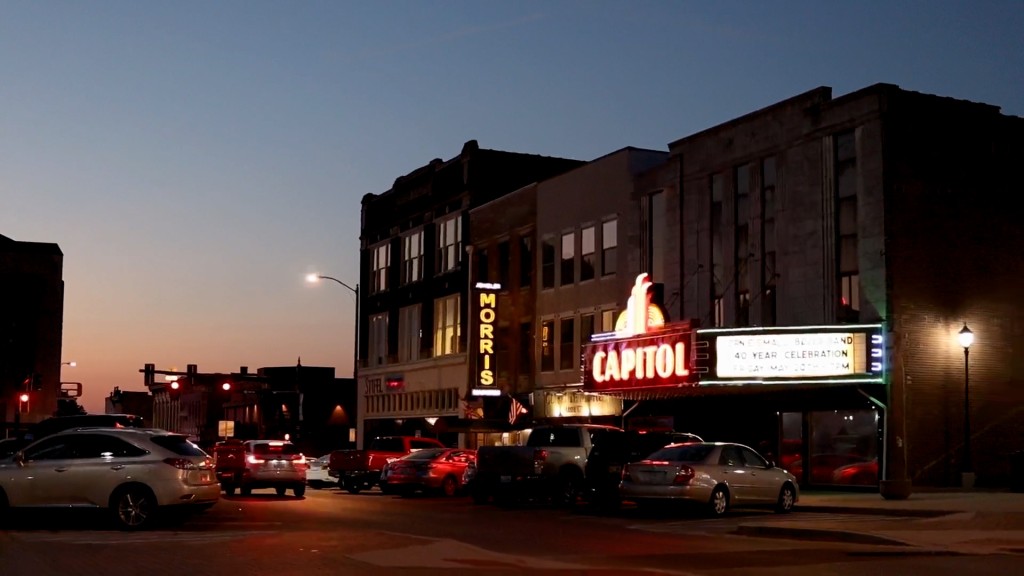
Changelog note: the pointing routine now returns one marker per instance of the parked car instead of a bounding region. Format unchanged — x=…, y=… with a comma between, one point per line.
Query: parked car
x=604, y=464
x=317, y=476
x=134, y=473
x=255, y=464
x=718, y=475
x=54, y=424
x=440, y=470
x=358, y=470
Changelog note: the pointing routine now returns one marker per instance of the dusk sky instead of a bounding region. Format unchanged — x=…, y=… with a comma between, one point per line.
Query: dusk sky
x=195, y=160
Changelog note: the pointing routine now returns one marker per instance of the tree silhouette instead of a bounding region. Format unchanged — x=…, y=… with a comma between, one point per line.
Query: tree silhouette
x=68, y=407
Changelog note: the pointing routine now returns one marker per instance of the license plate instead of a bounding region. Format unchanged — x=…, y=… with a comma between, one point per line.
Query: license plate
x=506, y=478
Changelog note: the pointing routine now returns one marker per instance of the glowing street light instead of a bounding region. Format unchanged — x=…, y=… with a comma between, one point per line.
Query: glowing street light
x=314, y=278
x=965, y=337
x=71, y=363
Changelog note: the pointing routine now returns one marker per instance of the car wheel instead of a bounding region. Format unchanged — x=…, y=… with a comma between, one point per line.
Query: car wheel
x=133, y=507
x=316, y=485
x=449, y=486
x=787, y=498
x=246, y=491
x=352, y=487
x=299, y=491
x=567, y=489
x=719, y=503
x=229, y=490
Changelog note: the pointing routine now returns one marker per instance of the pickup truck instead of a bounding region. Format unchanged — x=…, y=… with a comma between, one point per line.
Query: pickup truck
x=358, y=470
x=550, y=466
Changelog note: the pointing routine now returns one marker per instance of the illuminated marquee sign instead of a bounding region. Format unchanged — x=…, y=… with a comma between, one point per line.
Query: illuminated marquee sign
x=486, y=316
x=799, y=354
x=642, y=352
x=576, y=403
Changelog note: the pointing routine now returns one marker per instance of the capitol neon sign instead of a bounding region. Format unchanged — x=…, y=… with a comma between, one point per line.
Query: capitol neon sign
x=642, y=351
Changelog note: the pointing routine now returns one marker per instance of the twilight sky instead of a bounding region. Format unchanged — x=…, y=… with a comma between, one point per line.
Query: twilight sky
x=194, y=160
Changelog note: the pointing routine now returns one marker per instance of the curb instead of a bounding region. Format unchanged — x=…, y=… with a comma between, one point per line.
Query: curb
x=903, y=512
x=815, y=534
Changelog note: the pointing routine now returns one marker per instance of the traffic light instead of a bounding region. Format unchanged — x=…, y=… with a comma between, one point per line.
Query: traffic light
x=174, y=389
x=23, y=402
x=226, y=387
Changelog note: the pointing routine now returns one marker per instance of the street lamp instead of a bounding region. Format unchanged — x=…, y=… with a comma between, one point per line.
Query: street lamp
x=313, y=278
x=966, y=338
x=71, y=363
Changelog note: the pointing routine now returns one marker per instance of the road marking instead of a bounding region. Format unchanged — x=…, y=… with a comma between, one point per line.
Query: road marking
x=446, y=553
x=116, y=537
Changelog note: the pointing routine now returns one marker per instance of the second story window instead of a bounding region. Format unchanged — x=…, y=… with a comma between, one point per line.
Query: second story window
x=587, y=258
x=525, y=261
x=567, y=344
x=378, y=352
x=409, y=333
x=381, y=262
x=547, y=263
x=609, y=241
x=446, y=325
x=568, y=259
x=449, y=243
x=412, y=258
x=547, y=346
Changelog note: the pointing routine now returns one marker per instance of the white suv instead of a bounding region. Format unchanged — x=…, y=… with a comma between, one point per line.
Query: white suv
x=132, y=472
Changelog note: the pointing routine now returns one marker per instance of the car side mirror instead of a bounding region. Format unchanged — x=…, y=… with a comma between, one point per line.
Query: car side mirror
x=771, y=464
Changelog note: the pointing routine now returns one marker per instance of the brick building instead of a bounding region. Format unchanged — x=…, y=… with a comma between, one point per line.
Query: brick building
x=31, y=329
x=414, y=375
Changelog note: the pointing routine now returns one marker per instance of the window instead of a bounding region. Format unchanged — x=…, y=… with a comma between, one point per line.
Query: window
x=586, y=328
x=547, y=249
x=566, y=353
x=607, y=320
x=717, y=271
x=412, y=257
x=378, y=353
x=547, y=346
x=769, y=272
x=482, y=266
x=847, y=223
x=568, y=259
x=609, y=241
x=742, y=256
x=656, y=236
x=503, y=263
x=409, y=333
x=525, y=262
x=719, y=309
x=381, y=261
x=587, y=254
x=449, y=243
x=446, y=325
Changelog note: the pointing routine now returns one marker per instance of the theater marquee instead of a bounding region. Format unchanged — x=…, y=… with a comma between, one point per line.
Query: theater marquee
x=840, y=353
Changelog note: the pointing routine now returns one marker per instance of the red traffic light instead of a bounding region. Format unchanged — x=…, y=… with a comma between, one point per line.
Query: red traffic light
x=23, y=397
x=226, y=386
x=175, y=385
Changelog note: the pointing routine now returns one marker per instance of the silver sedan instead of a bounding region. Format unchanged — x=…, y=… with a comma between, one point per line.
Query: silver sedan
x=718, y=474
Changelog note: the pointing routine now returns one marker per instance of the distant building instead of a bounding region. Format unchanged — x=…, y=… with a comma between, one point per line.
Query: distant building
x=128, y=402
x=31, y=329
x=306, y=404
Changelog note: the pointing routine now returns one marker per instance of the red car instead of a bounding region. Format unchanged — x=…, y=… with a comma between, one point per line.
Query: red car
x=431, y=470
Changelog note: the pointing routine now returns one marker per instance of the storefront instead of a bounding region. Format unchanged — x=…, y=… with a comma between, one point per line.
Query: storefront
x=801, y=394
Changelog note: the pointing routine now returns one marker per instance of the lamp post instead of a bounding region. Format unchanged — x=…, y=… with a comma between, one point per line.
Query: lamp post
x=71, y=363
x=314, y=278
x=966, y=338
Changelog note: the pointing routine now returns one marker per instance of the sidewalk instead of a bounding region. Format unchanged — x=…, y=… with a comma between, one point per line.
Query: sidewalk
x=954, y=522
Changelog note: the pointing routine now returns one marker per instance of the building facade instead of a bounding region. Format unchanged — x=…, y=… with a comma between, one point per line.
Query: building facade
x=31, y=330
x=414, y=373
x=882, y=208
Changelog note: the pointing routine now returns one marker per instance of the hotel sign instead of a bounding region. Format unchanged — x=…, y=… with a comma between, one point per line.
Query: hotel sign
x=844, y=352
x=486, y=316
x=575, y=403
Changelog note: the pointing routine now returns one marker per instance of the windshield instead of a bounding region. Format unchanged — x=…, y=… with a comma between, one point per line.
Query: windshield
x=266, y=449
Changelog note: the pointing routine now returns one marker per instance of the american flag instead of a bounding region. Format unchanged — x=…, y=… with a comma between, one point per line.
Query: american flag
x=514, y=410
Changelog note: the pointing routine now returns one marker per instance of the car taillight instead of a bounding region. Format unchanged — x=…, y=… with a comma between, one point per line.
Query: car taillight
x=252, y=459
x=301, y=459
x=625, y=474
x=181, y=463
x=684, y=475
x=539, y=456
